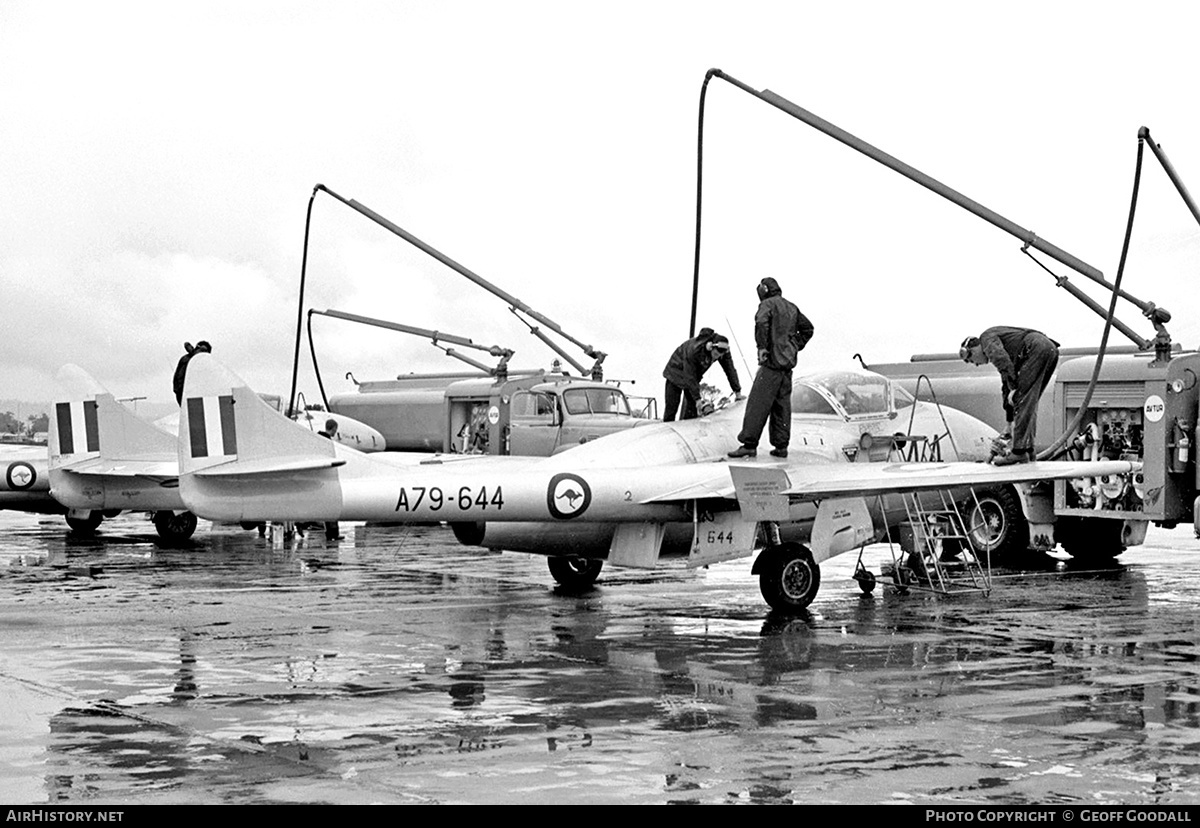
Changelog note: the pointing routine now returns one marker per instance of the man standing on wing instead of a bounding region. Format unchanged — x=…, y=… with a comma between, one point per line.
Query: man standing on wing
x=780, y=331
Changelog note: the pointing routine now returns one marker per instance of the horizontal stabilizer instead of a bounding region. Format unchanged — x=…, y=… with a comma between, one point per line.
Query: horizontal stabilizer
x=271, y=465
x=153, y=469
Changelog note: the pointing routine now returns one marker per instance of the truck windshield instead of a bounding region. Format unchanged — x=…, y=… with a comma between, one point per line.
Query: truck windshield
x=595, y=401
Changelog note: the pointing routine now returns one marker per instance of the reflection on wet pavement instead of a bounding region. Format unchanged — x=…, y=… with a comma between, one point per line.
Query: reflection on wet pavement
x=397, y=666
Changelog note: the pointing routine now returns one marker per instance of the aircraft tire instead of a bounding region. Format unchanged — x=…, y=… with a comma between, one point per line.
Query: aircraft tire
x=997, y=527
x=1091, y=539
x=866, y=581
x=574, y=573
x=788, y=577
x=87, y=525
x=174, y=527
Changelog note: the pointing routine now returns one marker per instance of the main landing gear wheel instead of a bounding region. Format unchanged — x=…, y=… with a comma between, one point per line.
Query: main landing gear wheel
x=574, y=573
x=174, y=527
x=86, y=524
x=788, y=577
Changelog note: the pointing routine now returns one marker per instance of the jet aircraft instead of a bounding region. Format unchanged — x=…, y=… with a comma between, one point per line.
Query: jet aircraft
x=627, y=498
x=106, y=459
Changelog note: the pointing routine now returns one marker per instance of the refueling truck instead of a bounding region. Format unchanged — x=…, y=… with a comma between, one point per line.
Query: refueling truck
x=1138, y=403
x=496, y=410
x=535, y=414
x=1142, y=408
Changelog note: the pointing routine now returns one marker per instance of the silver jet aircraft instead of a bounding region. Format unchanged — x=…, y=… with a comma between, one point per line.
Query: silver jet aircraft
x=631, y=498
x=104, y=459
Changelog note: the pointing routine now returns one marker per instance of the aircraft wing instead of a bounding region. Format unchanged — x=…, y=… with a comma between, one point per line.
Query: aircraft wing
x=862, y=479
x=711, y=480
x=829, y=480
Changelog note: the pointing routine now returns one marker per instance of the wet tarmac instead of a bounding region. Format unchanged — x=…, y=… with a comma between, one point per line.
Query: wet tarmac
x=396, y=666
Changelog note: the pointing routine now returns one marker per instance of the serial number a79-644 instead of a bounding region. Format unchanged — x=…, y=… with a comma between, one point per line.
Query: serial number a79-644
x=434, y=498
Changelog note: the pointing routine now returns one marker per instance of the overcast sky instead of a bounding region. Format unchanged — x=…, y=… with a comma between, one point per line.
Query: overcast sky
x=157, y=161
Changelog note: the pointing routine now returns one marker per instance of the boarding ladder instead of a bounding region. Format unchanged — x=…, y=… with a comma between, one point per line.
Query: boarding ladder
x=933, y=551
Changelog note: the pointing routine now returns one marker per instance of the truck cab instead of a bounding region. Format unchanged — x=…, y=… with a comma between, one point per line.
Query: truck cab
x=555, y=415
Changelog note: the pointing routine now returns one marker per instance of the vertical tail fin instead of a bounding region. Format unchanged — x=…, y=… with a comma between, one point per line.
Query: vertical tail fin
x=223, y=422
x=227, y=434
x=88, y=423
x=74, y=420
x=103, y=456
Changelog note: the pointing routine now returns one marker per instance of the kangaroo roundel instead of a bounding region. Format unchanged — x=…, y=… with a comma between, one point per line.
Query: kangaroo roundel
x=20, y=475
x=568, y=496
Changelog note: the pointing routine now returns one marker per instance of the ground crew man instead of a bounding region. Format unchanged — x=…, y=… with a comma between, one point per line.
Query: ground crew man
x=1026, y=360
x=780, y=331
x=190, y=351
x=332, y=531
x=686, y=368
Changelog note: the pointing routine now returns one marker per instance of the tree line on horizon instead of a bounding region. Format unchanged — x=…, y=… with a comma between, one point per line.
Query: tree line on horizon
x=10, y=424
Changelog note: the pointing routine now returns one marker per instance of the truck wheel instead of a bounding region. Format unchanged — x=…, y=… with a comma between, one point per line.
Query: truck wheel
x=788, y=577
x=174, y=527
x=85, y=525
x=996, y=525
x=574, y=573
x=1091, y=539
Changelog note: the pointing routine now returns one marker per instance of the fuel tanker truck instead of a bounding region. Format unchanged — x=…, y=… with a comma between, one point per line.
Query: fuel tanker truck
x=1136, y=402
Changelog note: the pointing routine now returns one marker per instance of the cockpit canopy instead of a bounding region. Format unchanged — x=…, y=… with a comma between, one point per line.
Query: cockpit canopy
x=851, y=395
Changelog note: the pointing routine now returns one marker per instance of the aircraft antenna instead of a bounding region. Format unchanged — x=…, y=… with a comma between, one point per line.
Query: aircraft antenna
x=736, y=344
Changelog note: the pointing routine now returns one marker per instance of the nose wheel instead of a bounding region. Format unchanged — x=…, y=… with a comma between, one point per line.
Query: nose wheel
x=865, y=579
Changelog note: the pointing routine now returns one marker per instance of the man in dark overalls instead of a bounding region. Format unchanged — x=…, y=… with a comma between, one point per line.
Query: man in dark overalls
x=780, y=331
x=686, y=368
x=189, y=351
x=1026, y=360
x=330, y=433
